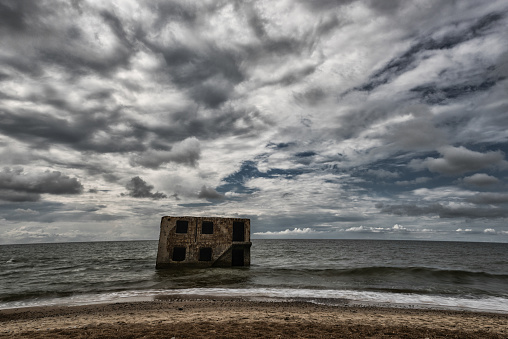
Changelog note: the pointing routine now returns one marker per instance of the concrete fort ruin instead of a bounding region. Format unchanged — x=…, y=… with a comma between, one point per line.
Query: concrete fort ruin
x=203, y=242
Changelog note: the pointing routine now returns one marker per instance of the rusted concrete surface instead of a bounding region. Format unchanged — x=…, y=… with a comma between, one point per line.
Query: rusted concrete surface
x=203, y=242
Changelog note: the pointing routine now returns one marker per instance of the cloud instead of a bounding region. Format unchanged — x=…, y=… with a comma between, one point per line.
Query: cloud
x=489, y=198
x=299, y=124
x=480, y=179
x=138, y=188
x=416, y=181
x=417, y=130
x=16, y=196
x=186, y=152
x=209, y=193
x=409, y=60
x=444, y=212
x=364, y=229
x=383, y=174
x=458, y=160
x=294, y=231
x=17, y=185
x=467, y=230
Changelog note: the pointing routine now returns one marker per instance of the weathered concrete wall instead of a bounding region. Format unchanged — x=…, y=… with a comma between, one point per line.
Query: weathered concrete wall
x=199, y=248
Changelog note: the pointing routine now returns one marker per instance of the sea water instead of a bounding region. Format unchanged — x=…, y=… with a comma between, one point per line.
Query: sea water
x=452, y=275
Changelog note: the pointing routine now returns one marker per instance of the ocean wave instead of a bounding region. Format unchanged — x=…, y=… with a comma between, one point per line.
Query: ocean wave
x=391, y=270
x=329, y=297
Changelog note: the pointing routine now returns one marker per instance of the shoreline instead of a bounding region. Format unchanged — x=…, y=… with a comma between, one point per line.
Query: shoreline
x=151, y=296
x=174, y=316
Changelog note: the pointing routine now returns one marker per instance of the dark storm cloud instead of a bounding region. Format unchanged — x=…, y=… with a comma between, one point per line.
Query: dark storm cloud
x=489, y=198
x=138, y=188
x=383, y=174
x=208, y=74
x=293, y=76
x=480, y=179
x=18, y=185
x=116, y=26
x=311, y=97
x=186, y=152
x=386, y=7
x=443, y=212
x=359, y=119
x=269, y=46
x=79, y=131
x=458, y=160
x=17, y=196
x=209, y=193
x=26, y=125
x=416, y=181
x=325, y=5
x=49, y=212
x=305, y=154
x=28, y=19
x=225, y=122
x=279, y=146
x=15, y=15
x=418, y=133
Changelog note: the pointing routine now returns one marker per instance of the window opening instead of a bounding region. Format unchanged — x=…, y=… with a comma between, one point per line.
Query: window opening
x=205, y=254
x=182, y=226
x=238, y=231
x=207, y=227
x=179, y=253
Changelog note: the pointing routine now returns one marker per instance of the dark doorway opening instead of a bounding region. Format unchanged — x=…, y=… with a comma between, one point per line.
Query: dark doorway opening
x=238, y=231
x=179, y=254
x=205, y=254
x=237, y=258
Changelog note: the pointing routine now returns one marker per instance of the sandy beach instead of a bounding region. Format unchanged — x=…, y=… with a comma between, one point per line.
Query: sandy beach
x=234, y=318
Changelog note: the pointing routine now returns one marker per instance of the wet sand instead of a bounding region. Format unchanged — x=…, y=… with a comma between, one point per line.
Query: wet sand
x=237, y=318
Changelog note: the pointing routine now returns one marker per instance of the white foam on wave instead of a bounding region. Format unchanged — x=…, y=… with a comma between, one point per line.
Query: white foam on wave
x=331, y=297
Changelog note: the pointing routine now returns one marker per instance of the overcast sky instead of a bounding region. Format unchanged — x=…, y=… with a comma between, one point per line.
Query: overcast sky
x=315, y=119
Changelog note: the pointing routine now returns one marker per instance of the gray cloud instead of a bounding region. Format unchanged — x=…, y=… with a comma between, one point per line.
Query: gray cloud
x=89, y=131
x=17, y=196
x=480, y=179
x=186, y=152
x=408, y=60
x=489, y=198
x=444, y=212
x=138, y=188
x=416, y=181
x=417, y=133
x=247, y=121
x=17, y=185
x=306, y=100
x=209, y=193
x=458, y=160
x=383, y=174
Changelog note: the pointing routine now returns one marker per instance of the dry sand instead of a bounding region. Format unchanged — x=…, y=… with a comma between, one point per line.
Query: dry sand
x=236, y=318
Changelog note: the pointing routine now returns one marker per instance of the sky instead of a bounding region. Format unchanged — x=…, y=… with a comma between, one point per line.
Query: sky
x=315, y=119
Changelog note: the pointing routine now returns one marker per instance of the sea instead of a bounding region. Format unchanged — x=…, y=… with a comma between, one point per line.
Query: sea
x=416, y=274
